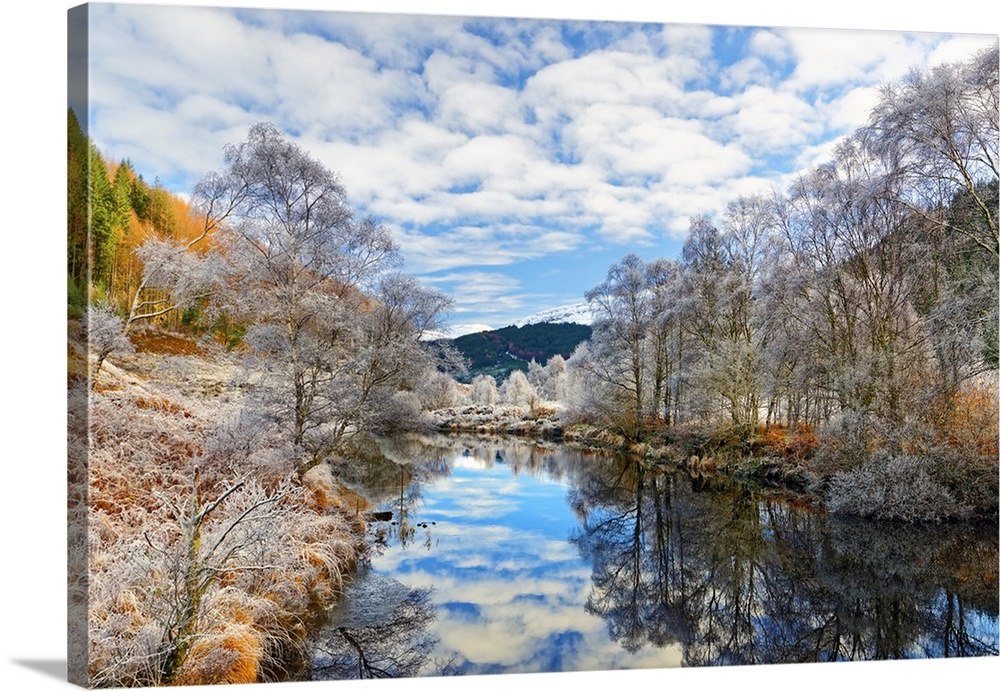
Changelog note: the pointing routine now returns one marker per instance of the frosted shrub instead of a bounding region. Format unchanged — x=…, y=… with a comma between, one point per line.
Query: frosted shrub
x=400, y=412
x=105, y=334
x=895, y=488
x=176, y=499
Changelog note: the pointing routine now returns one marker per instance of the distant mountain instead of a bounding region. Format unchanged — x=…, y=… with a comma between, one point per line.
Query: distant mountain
x=501, y=351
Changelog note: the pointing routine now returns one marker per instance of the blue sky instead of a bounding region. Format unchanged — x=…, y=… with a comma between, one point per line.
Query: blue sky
x=514, y=160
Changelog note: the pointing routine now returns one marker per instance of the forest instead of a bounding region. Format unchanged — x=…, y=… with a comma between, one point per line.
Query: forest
x=860, y=304
x=231, y=352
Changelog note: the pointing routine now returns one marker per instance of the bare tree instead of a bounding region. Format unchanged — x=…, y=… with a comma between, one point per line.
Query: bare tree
x=200, y=558
x=334, y=334
x=666, y=341
x=176, y=274
x=701, y=305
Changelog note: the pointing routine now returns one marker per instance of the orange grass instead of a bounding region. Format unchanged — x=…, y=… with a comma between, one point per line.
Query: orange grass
x=230, y=655
x=971, y=421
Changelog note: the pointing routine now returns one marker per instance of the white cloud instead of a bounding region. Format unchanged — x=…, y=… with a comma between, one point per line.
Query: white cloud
x=751, y=70
x=851, y=110
x=958, y=48
x=771, y=45
x=772, y=121
x=480, y=292
x=479, y=107
x=693, y=43
x=828, y=59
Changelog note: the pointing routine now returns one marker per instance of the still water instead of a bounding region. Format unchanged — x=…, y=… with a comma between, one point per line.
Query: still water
x=505, y=556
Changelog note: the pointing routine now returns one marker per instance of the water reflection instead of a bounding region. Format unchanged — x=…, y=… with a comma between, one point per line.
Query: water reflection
x=518, y=557
x=381, y=632
x=741, y=580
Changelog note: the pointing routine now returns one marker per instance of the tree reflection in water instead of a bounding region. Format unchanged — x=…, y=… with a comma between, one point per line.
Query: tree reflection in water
x=700, y=567
x=737, y=579
x=381, y=632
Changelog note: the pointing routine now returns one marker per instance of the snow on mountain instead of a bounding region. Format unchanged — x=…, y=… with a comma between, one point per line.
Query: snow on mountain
x=578, y=313
x=454, y=331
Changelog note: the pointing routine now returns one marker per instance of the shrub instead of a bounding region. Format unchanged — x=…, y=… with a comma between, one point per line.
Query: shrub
x=900, y=487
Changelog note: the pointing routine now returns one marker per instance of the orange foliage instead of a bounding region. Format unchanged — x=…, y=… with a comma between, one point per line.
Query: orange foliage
x=230, y=655
x=188, y=224
x=794, y=443
x=160, y=404
x=970, y=421
x=166, y=216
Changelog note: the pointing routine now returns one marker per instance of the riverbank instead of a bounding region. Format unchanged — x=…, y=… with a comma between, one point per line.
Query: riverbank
x=927, y=477
x=775, y=458
x=206, y=563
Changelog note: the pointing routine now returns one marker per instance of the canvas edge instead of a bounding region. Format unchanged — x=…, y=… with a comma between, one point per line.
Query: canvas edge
x=78, y=403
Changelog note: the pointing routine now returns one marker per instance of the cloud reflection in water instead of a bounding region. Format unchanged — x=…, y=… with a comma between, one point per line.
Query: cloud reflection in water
x=509, y=587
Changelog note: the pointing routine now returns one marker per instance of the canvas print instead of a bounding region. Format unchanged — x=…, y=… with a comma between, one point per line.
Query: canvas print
x=413, y=345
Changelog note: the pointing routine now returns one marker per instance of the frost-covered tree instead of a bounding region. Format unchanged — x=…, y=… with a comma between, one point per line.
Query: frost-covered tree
x=588, y=396
x=622, y=308
x=176, y=274
x=174, y=277
x=536, y=376
x=748, y=227
x=483, y=390
x=666, y=341
x=438, y=390
x=941, y=128
x=852, y=236
x=335, y=335
x=556, y=379
x=105, y=335
x=516, y=390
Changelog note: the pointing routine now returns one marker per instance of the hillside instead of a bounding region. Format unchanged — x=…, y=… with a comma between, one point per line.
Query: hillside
x=502, y=351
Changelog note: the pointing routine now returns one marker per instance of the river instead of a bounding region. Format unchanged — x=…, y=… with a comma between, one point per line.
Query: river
x=499, y=555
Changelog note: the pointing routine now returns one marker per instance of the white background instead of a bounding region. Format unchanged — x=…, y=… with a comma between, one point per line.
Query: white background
x=32, y=366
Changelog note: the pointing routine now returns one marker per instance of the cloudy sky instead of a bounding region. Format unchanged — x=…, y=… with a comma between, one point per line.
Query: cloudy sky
x=513, y=159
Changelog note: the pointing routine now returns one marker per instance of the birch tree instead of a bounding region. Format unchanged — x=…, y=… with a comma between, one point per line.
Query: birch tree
x=105, y=335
